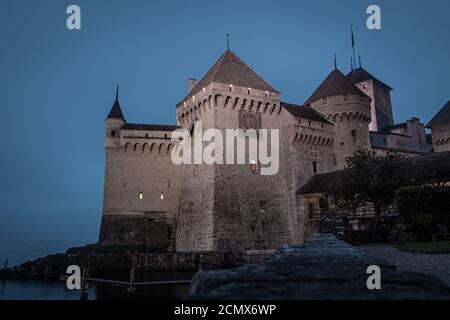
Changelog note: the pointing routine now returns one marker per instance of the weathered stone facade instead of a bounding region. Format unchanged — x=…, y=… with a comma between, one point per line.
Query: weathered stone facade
x=150, y=201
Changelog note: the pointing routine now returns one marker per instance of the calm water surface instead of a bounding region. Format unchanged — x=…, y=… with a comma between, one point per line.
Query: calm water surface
x=37, y=289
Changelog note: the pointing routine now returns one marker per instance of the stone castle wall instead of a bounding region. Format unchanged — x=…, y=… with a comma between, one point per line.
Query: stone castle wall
x=350, y=115
x=380, y=105
x=441, y=137
x=142, y=190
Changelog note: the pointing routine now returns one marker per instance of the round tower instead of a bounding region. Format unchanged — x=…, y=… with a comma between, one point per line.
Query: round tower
x=114, y=123
x=341, y=102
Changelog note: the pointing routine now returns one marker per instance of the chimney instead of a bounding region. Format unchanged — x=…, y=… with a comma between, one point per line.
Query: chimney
x=191, y=84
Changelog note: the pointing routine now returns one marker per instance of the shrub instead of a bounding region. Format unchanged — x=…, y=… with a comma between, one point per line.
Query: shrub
x=424, y=209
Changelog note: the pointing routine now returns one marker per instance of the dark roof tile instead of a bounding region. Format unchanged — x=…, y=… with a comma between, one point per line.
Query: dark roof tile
x=116, y=111
x=230, y=69
x=442, y=116
x=421, y=168
x=333, y=85
x=150, y=127
x=304, y=112
x=360, y=74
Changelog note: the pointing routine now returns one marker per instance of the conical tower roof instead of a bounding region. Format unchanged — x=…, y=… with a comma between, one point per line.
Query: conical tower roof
x=335, y=84
x=116, y=110
x=230, y=69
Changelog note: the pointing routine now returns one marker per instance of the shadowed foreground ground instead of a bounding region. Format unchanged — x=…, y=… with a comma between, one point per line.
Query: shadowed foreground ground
x=321, y=268
x=432, y=264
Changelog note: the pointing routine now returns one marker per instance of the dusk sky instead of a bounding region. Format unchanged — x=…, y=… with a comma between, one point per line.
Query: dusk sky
x=57, y=85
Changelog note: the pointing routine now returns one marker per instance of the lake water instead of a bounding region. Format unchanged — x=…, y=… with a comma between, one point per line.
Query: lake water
x=37, y=289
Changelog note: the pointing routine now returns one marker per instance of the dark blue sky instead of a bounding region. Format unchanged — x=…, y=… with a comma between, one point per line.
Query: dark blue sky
x=56, y=85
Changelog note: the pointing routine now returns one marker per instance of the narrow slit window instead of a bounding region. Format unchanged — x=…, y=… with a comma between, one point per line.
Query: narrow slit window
x=314, y=164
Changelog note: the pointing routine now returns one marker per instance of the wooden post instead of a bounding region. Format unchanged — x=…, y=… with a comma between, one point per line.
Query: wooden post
x=84, y=286
x=131, y=288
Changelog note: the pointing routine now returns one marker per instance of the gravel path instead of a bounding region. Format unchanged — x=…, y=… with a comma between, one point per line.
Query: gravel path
x=432, y=264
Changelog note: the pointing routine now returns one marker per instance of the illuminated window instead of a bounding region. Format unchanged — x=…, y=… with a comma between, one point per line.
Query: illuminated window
x=141, y=196
x=254, y=166
x=249, y=91
x=230, y=87
x=204, y=90
x=193, y=97
x=345, y=97
x=266, y=94
x=162, y=196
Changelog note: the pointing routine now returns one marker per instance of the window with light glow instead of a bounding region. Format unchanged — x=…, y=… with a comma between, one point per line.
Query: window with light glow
x=254, y=166
x=141, y=196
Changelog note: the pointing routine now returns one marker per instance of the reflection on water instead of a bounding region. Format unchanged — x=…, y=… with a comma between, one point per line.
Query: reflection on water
x=37, y=289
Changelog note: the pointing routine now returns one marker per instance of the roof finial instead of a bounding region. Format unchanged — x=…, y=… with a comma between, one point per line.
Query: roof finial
x=117, y=92
x=335, y=63
x=228, y=42
x=359, y=58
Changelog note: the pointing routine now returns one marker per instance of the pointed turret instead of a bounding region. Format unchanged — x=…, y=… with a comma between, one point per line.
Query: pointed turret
x=333, y=85
x=114, y=123
x=116, y=110
x=343, y=103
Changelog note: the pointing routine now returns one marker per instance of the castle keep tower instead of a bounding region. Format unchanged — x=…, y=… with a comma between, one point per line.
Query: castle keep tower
x=231, y=207
x=379, y=93
x=440, y=129
x=341, y=102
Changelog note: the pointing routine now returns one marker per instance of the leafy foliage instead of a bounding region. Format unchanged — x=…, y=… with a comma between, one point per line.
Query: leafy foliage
x=424, y=209
x=372, y=178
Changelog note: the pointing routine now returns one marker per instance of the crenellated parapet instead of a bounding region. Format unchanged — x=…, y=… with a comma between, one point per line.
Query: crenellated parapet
x=217, y=98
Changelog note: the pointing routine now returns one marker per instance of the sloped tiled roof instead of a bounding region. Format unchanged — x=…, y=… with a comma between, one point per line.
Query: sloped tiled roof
x=116, y=111
x=230, y=69
x=421, y=168
x=359, y=74
x=150, y=127
x=333, y=85
x=304, y=112
x=442, y=116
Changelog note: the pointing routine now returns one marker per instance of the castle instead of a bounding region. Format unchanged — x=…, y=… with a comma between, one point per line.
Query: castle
x=150, y=201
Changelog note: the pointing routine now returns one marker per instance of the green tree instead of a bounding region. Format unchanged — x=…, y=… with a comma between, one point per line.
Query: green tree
x=371, y=177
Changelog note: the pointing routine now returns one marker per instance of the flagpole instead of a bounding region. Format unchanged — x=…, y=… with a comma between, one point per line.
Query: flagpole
x=353, y=44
